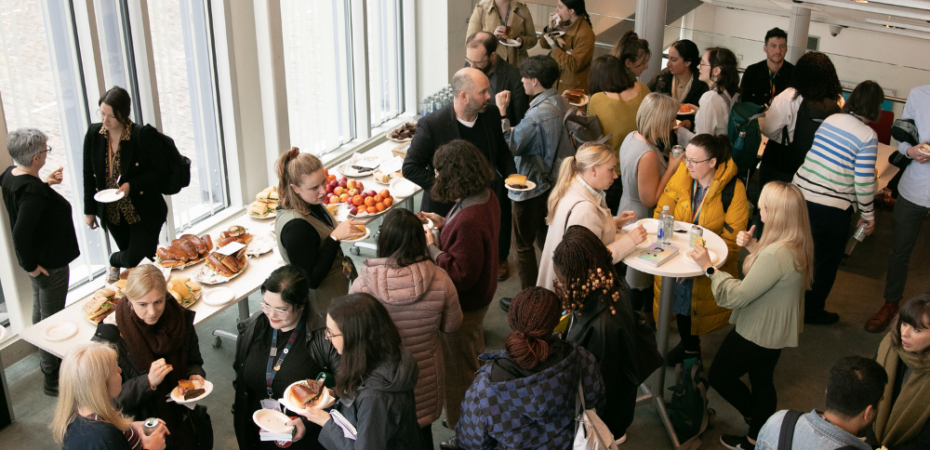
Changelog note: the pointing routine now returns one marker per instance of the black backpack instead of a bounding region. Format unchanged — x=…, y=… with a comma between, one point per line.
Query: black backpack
x=177, y=166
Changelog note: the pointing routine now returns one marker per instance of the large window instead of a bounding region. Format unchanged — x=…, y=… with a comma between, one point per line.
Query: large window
x=116, y=51
x=384, y=60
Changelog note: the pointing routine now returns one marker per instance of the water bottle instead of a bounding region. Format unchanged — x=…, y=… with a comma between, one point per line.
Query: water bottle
x=423, y=109
x=740, y=140
x=666, y=226
x=856, y=238
x=437, y=102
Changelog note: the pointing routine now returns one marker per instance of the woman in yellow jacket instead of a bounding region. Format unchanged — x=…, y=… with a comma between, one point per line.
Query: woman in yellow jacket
x=575, y=49
x=696, y=194
x=493, y=15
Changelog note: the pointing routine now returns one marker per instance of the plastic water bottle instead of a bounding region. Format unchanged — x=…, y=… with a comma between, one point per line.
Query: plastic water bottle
x=666, y=226
x=740, y=141
x=437, y=102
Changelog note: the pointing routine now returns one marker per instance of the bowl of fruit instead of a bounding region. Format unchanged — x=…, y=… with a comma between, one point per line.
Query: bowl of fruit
x=340, y=190
x=370, y=203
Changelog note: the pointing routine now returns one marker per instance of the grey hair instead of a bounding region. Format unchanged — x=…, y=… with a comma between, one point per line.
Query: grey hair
x=461, y=81
x=24, y=144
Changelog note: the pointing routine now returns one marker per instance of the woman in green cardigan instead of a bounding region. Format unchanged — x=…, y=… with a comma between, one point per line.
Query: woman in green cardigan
x=767, y=306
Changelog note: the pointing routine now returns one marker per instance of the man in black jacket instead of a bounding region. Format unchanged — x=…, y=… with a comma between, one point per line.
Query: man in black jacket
x=764, y=80
x=481, y=54
x=467, y=117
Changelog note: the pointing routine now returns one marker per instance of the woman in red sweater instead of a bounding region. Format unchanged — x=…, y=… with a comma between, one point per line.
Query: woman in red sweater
x=467, y=249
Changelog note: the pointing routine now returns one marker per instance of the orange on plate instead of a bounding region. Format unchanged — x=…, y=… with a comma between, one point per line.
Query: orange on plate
x=380, y=206
x=373, y=210
x=384, y=193
x=370, y=201
x=379, y=198
x=388, y=202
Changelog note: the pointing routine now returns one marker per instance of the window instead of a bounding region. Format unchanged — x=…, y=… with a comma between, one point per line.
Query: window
x=318, y=73
x=184, y=68
x=116, y=52
x=40, y=82
x=385, y=73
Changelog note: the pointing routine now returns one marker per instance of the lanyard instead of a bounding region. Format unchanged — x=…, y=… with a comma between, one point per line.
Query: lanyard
x=270, y=371
x=697, y=213
x=772, y=81
x=507, y=17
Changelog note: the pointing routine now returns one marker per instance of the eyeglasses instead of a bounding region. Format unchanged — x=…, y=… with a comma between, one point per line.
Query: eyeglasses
x=329, y=335
x=692, y=162
x=703, y=64
x=477, y=64
x=48, y=149
x=267, y=309
x=104, y=116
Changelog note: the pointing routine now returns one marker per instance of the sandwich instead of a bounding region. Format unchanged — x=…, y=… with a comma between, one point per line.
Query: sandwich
x=99, y=307
x=516, y=181
x=184, y=291
x=189, y=389
x=308, y=394
x=261, y=208
x=226, y=266
x=268, y=194
x=574, y=95
x=119, y=285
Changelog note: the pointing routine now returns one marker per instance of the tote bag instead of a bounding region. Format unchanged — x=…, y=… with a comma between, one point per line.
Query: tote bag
x=592, y=433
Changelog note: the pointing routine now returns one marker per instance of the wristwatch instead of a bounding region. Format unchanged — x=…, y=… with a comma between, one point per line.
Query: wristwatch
x=710, y=271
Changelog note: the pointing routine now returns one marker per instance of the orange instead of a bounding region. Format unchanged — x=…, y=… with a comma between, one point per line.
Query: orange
x=357, y=200
x=388, y=202
x=380, y=206
x=379, y=198
x=370, y=201
x=384, y=193
x=373, y=210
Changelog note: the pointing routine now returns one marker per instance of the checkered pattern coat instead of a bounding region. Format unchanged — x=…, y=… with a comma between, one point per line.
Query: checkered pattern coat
x=532, y=412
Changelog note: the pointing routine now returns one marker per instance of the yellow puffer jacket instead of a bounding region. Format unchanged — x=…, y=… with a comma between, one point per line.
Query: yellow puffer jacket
x=706, y=316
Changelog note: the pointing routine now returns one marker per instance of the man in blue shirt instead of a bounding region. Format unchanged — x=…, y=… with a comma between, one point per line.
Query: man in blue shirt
x=911, y=208
x=855, y=386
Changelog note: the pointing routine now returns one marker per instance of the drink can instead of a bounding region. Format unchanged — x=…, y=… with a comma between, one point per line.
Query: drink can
x=677, y=150
x=860, y=233
x=150, y=425
x=696, y=236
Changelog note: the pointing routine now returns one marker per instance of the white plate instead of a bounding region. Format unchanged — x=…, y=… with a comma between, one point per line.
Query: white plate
x=291, y=403
x=209, y=276
x=584, y=101
x=271, y=420
x=176, y=394
x=108, y=196
x=651, y=225
x=347, y=171
x=59, y=331
x=399, y=141
x=509, y=42
x=924, y=149
x=529, y=187
x=360, y=238
x=261, y=243
x=218, y=296
x=687, y=113
x=713, y=256
x=402, y=187
x=266, y=216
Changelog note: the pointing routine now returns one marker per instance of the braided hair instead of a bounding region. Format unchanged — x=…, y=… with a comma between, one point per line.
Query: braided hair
x=587, y=267
x=533, y=314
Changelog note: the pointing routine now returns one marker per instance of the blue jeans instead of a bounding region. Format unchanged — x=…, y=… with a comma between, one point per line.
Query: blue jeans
x=908, y=218
x=48, y=297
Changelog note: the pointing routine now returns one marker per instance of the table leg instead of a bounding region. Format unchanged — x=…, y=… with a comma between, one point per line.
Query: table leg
x=658, y=392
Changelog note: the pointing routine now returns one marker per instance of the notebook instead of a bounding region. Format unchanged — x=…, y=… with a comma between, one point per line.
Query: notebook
x=657, y=254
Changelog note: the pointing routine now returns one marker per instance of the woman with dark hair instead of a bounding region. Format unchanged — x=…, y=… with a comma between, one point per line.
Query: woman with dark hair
x=795, y=115
x=903, y=419
x=119, y=154
x=680, y=77
x=602, y=321
x=534, y=360
x=278, y=346
x=718, y=70
x=375, y=380
x=308, y=235
x=421, y=300
x=466, y=249
x=695, y=194
x=615, y=100
x=574, y=50
x=838, y=178
x=633, y=53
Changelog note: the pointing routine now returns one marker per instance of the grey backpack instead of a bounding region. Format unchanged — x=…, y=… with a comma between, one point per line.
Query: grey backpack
x=576, y=131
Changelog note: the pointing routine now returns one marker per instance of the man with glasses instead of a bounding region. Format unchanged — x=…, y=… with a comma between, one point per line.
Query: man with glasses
x=764, y=80
x=481, y=54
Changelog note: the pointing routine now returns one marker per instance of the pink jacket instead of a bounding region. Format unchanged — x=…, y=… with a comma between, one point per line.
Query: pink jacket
x=422, y=301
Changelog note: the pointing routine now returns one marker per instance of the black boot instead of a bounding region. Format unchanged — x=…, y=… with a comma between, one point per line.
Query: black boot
x=50, y=384
x=505, y=303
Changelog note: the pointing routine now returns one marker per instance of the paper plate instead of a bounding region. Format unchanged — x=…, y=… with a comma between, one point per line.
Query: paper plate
x=687, y=113
x=713, y=256
x=271, y=420
x=108, y=196
x=59, y=331
x=509, y=42
x=584, y=101
x=402, y=187
x=270, y=215
x=176, y=394
x=291, y=403
x=529, y=187
x=261, y=243
x=218, y=296
x=360, y=238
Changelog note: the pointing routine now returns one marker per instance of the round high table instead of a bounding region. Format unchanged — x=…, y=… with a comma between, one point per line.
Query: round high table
x=678, y=267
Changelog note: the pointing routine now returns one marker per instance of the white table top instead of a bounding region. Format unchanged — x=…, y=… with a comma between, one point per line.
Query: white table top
x=678, y=266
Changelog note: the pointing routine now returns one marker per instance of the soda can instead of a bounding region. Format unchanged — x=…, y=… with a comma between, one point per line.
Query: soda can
x=677, y=150
x=696, y=236
x=150, y=425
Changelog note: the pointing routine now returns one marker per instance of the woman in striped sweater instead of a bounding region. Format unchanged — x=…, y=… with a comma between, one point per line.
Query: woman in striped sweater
x=838, y=177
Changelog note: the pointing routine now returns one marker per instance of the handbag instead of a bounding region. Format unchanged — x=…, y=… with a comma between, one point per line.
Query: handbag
x=203, y=427
x=592, y=433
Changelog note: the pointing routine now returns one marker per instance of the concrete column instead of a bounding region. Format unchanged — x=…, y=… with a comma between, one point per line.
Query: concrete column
x=799, y=24
x=650, y=25
x=687, y=25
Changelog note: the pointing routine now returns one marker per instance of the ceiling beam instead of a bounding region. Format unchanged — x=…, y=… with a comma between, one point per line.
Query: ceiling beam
x=869, y=8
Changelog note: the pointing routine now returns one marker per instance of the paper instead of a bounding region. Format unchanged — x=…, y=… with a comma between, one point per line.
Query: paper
x=348, y=430
x=367, y=163
x=231, y=248
x=392, y=165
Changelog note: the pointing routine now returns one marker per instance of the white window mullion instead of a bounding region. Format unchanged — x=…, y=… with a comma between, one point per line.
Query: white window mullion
x=271, y=71
x=409, y=29
x=91, y=59
x=358, y=32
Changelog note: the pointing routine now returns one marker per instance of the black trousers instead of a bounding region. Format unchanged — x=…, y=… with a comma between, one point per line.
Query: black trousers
x=426, y=433
x=503, y=241
x=621, y=404
x=830, y=230
x=135, y=242
x=736, y=357
x=690, y=342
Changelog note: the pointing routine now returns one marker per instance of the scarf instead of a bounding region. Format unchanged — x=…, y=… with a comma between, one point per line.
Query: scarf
x=899, y=423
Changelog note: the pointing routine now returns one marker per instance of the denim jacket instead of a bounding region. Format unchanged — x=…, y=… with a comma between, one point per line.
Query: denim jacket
x=538, y=134
x=812, y=432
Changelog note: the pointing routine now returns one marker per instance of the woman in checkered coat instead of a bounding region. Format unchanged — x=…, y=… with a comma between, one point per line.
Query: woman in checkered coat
x=524, y=397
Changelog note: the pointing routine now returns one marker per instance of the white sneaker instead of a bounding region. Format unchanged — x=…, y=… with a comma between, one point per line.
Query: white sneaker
x=621, y=440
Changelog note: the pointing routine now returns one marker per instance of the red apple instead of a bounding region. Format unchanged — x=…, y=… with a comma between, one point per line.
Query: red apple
x=351, y=184
x=343, y=182
x=372, y=193
x=329, y=195
x=359, y=186
x=353, y=192
x=338, y=190
x=333, y=183
x=353, y=210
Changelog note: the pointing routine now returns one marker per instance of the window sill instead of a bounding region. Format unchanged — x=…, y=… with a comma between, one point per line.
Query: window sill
x=378, y=136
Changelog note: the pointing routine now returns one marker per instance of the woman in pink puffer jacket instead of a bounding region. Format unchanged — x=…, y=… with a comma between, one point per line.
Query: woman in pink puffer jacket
x=421, y=300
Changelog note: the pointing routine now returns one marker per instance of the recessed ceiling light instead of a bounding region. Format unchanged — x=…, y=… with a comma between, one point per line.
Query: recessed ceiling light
x=861, y=1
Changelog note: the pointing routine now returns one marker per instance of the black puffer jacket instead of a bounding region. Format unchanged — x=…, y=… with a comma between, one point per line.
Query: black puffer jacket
x=383, y=412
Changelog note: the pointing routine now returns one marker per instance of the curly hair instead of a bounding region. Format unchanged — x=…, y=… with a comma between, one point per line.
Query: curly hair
x=587, y=267
x=728, y=79
x=815, y=78
x=462, y=171
x=533, y=314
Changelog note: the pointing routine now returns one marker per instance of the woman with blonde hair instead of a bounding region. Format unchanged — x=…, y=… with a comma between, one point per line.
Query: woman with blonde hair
x=157, y=346
x=579, y=198
x=308, y=235
x=644, y=174
x=767, y=305
x=86, y=416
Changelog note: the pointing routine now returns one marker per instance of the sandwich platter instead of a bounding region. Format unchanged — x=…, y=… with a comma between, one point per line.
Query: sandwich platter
x=176, y=396
x=292, y=404
x=210, y=276
x=59, y=331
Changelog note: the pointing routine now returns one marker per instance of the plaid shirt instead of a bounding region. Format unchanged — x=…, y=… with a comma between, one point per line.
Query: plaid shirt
x=537, y=411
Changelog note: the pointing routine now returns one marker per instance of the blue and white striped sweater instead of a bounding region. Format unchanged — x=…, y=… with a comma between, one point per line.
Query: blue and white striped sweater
x=839, y=169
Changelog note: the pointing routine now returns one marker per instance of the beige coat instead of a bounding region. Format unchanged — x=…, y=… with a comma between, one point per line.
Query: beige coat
x=422, y=302
x=578, y=207
x=486, y=18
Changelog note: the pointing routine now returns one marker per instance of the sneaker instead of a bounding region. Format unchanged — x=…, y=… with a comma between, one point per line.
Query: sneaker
x=112, y=275
x=736, y=442
x=881, y=319
x=450, y=444
x=505, y=303
x=503, y=271
x=821, y=318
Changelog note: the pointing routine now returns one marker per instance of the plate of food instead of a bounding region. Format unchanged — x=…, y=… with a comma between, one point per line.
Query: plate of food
x=576, y=97
x=218, y=296
x=925, y=149
x=360, y=166
x=686, y=110
x=385, y=178
x=509, y=42
x=222, y=268
x=185, y=251
x=101, y=305
x=109, y=196
x=59, y=331
x=261, y=209
x=403, y=133
x=185, y=291
x=363, y=228
x=272, y=420
x=711, y=253
x=303, y=395
x=519, y=183
x=191, y=391
x=371, y=203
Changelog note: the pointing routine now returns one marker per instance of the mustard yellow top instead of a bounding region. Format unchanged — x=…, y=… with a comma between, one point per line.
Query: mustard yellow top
x=617, y=116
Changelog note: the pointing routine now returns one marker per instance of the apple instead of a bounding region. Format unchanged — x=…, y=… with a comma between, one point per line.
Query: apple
x=333, y=183
x=353, y=192
x=344, y=197
x=359, y=186
x=329, y=195
x=372, y=193
x=351, y=184
x=329, y=189
x=338, y=190
x=343, y=182
x=353, y=210
x=333, y=200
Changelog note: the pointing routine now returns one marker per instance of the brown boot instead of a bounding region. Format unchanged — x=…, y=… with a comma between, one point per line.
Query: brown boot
x=503, y=271
x=881, y=319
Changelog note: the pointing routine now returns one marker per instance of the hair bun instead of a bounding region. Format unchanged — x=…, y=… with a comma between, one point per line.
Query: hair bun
x=293, y=153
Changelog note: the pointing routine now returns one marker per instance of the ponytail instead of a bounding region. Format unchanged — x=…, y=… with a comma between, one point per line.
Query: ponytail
x=714, y=146
x=533, y=314
x=588, y=155
x=289, y=168
x=631, y=48
x=580, y=9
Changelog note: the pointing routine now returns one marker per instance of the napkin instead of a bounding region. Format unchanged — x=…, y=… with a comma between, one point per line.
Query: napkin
x=348, y=430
